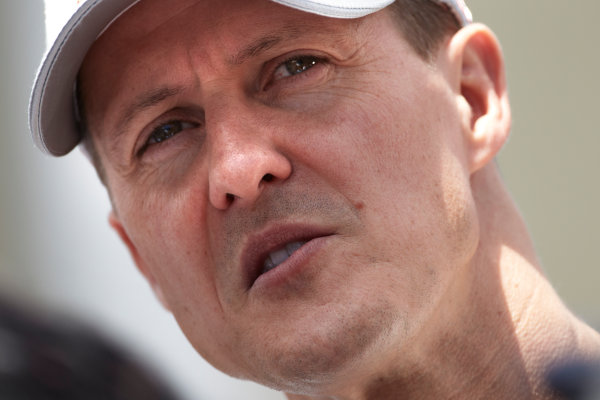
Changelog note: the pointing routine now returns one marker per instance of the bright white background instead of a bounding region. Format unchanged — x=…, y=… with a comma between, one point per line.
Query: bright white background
x=56, y=248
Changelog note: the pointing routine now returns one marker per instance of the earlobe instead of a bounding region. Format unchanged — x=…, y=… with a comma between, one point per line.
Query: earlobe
x=483, y=93
x=116, y=224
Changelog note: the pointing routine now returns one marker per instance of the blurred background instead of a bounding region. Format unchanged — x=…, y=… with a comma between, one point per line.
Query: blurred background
x=56, y=248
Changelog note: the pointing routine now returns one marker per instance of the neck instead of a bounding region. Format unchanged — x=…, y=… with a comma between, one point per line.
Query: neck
x=506, y=329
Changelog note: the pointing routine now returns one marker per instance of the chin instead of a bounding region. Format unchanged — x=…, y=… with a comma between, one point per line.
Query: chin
x=327, y=345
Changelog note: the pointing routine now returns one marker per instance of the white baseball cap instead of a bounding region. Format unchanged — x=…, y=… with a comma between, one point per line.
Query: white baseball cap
x=52, y=109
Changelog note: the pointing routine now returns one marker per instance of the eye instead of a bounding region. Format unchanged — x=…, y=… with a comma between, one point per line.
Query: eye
x=167, y=130
x=295, y=66
x=163, y=132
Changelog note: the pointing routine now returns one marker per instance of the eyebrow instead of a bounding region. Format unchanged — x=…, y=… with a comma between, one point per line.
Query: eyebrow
x=263, y=44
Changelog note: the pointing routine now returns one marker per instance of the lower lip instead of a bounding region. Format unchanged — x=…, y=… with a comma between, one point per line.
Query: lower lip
x=291, y=267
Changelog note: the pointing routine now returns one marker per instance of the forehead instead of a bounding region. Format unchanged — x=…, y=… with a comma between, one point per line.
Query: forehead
x=160, y=43
x=209, y=32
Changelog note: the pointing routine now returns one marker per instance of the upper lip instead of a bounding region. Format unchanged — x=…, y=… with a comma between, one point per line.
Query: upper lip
x=258, y=246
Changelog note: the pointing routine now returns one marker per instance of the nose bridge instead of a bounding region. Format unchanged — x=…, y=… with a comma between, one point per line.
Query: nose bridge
x=243, y=155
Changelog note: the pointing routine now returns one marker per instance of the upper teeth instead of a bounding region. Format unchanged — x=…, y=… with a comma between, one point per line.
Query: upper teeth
x=278, y=256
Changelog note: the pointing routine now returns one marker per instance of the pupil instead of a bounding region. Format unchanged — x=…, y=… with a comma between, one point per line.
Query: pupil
x=166, y=131
x=299, y=65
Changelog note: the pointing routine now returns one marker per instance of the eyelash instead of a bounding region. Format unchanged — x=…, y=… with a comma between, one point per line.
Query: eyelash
x=180, y=126
x=305, y=73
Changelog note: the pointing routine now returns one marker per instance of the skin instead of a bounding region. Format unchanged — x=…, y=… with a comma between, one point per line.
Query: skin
x=381, y=159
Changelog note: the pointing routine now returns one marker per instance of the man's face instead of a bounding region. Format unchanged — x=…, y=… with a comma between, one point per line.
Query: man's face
x=235, y=133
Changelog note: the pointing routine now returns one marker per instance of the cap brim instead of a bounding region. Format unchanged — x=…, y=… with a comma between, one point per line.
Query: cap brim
x=338, y=8
x=51, y=108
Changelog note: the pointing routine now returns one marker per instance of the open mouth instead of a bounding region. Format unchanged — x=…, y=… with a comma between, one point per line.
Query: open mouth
x=268, y=251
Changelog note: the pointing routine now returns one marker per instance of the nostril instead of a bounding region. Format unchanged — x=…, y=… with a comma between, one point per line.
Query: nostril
x=268, y=178
x=229, y=197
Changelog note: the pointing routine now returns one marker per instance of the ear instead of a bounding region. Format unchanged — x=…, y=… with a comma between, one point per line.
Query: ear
x=483, y=94
x=116, y=224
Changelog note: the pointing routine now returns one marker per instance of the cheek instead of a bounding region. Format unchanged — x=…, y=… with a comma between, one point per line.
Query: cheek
x=379, y=131
x=401, y=165
x=169, y=230
x=167, y=225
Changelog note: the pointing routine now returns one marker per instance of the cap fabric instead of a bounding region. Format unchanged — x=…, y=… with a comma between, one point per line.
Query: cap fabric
x=52, y=112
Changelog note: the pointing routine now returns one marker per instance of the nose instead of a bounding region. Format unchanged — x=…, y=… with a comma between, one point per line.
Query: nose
x=244, y=158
